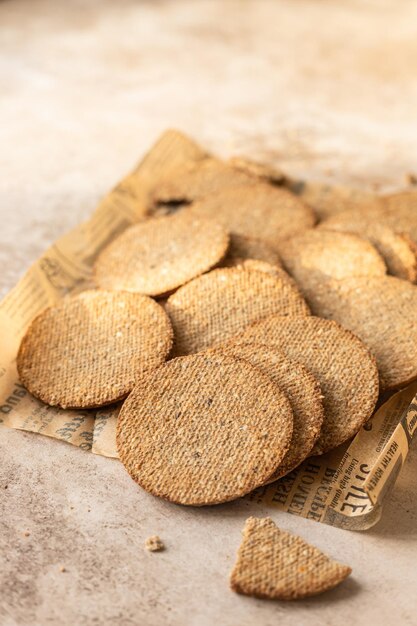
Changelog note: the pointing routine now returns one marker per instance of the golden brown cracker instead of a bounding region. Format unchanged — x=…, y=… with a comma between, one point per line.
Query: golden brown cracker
x=257, y=210
x=157, y=256
x=302, y=390
x=203, y=429
x=88, y=350
x=276, y=564
x=214, y=307
x=382, y=312
x=318, y=254
x=397, y=249
x=342, y=364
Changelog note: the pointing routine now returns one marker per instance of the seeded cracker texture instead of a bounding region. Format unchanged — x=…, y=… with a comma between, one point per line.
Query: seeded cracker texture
x=88, y=350
x=400, y=212
x=397, y=249
x=197, y=180
x=213, y=308
x=275, y=564
x=252, y=265
x=159, y=255
x=203, y=429
x=257, y=210
x=318, y=254
x=382, y=312
x=243, y=248
x=302, y=391
x=342, y=364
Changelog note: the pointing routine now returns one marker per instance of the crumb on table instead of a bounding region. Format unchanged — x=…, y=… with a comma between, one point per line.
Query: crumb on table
x=154, y=544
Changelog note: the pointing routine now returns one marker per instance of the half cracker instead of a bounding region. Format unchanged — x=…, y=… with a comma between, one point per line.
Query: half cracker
x=203, y=429
x=88, y=350
x=276, y=564
x=216, y=306
x=342, y=364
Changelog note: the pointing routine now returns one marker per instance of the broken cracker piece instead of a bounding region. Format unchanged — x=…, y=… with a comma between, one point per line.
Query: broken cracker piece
x=275, y=564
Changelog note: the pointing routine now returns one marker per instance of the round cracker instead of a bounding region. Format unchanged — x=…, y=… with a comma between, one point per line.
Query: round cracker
x=399, y=211
x=327, y=200
x=216, y=306
x=88, y=350
x=342, y=364
x=203, y=429
x=257, y=210
x=398, y=250
x=197, y=180
x=157, y=256
x=382, y=312
x=318, y=254
x=302, y=390
x=243, y=248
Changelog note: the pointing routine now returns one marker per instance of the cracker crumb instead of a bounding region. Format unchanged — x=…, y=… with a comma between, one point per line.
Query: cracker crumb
x=62, y=569
x=154, y=544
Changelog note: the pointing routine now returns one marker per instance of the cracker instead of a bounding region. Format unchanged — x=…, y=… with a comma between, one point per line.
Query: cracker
x=197, y=180
x=302, y=390
x=203, y=429
x=257, y=210
x=243, y=248
x=273, y=270
x=214, y=307
x=382, y=312
x=157, y=256
x=319, y=254
x=398, y=250
x=399, y=211
x=327, y=200
x=88, y=350
x=276, y=564
x=341, y=363
x=256, y=168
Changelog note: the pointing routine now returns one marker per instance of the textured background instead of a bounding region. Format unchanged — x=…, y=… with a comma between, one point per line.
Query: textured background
x=325, y=89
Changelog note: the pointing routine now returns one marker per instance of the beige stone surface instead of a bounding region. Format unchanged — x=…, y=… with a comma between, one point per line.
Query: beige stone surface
x=323, y=89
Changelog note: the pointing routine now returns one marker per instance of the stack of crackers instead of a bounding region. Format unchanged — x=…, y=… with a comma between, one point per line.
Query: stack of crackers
x=247, y=321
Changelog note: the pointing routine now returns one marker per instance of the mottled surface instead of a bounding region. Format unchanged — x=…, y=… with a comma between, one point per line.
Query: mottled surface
x=321, y=88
